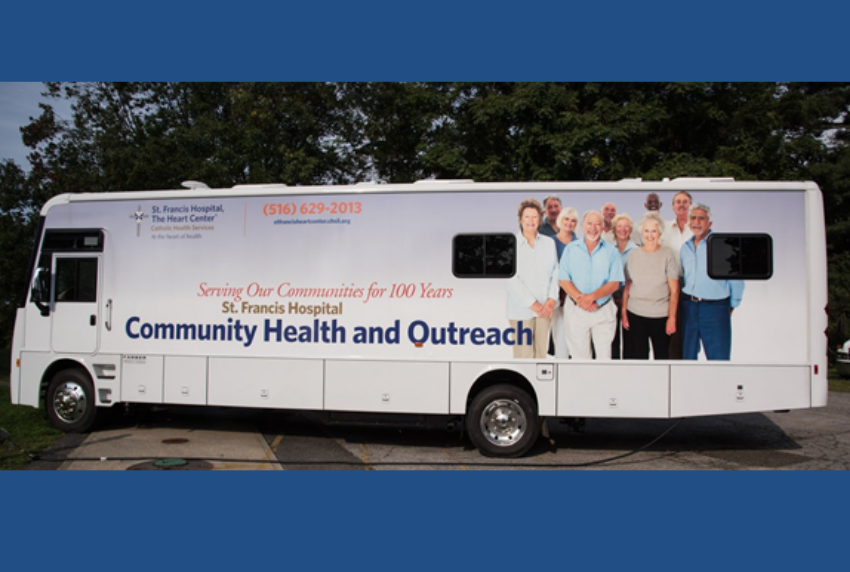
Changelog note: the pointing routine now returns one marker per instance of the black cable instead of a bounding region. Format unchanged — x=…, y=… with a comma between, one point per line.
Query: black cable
x=376, y=463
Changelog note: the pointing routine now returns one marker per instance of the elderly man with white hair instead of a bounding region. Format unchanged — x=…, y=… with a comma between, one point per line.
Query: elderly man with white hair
x=591, y=270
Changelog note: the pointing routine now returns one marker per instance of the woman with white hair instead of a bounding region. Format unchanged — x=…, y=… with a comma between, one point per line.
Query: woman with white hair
x=567, y=222
x=651, y=295
x=623, y=228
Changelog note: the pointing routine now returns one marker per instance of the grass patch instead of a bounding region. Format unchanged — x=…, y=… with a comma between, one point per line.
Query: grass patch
x=26, y=426
x=836, y=382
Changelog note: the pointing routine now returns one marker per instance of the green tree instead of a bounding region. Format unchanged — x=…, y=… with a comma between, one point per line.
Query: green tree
x=390, y=127
x=17, y=229
x=134, y=136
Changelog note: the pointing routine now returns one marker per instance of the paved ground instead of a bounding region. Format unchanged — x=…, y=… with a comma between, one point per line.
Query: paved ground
x=227, y=439
x=212, y=439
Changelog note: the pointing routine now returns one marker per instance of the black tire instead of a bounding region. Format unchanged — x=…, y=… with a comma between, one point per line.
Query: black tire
x=70, y=401
x=503, y=422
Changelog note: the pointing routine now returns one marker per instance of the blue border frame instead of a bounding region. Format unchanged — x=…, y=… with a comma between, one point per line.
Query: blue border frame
x=427, y=521
x=417, y=520
x=461, y=40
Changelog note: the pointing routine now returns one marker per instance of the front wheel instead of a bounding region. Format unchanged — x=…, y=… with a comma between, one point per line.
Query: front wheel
x=503, y=422
x=71, y=402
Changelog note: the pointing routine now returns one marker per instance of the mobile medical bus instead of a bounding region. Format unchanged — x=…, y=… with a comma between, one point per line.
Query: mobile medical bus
x=390, y=299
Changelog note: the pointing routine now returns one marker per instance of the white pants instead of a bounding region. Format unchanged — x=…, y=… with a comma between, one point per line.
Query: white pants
x=582, y=327
x=559, y=334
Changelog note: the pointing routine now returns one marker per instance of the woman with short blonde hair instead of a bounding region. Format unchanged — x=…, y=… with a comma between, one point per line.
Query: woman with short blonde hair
x=533, y=290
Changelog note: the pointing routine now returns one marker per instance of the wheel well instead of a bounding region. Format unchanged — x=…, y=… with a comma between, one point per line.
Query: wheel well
x=55, y=368
x=498, y=377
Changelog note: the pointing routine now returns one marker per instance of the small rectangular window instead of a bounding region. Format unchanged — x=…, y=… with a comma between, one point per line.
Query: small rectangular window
x=740, y=256
x=73, y=241
x=76, y=280
x=484, y=255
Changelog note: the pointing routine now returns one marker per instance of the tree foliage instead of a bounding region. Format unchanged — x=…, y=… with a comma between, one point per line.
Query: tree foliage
x=143, y=135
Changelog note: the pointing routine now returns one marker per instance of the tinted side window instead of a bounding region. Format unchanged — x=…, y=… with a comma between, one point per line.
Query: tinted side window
x=484, y=255
x=76, y=280
x=740, y=256
x=73, y=241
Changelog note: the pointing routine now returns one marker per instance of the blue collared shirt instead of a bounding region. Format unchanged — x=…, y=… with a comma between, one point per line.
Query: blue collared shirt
x=625, y=254
x=589, y=271
x=546, y=229
x=561, y=246
x=697, y=282
x=536, y=278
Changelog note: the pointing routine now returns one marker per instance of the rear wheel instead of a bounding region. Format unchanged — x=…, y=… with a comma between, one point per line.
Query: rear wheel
x=70, y=401
x=503, y=421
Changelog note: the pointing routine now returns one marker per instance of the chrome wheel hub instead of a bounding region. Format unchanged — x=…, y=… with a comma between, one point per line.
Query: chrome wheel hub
x=69, y=402
x=503, y=422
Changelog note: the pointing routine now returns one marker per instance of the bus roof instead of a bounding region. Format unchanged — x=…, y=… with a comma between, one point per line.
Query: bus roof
x=200, y=191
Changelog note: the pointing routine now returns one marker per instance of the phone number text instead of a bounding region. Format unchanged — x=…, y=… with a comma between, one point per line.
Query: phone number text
x=278, y=209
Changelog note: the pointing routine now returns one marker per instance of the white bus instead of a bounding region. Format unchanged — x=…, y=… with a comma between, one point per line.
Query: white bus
x=381, y=298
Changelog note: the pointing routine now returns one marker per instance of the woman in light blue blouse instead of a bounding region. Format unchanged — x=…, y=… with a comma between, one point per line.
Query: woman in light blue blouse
x=533, y=291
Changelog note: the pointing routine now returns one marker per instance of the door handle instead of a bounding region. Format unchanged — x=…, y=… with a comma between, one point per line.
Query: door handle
x=108, y=322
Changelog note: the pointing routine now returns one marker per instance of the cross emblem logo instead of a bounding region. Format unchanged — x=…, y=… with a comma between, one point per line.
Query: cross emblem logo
x=139, y=216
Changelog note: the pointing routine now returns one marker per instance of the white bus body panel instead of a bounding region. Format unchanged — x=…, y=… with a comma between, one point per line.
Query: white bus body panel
x=33, y=366
x=817, y=293
x=387, y=387
x=712, y=389
x=185, y=380
x=37, y=329
x=267, y=383
x=142, y=378
x=613, y=389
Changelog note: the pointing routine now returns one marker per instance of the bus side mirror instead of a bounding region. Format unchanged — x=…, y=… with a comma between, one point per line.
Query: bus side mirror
x=40, y=295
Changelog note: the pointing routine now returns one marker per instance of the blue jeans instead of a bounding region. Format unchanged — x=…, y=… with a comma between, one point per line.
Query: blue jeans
x=709, y=323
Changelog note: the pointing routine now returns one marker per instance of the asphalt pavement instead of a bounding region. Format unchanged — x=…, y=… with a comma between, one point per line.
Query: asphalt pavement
x=186, y=438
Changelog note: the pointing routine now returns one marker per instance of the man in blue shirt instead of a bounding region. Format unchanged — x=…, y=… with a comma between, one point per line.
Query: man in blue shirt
x=591, y=270
x=707, y=304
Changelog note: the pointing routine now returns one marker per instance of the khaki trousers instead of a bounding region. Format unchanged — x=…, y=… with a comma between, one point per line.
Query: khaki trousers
x=539, y=348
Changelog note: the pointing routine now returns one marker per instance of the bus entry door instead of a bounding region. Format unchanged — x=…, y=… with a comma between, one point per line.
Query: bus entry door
x=76, y=308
